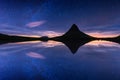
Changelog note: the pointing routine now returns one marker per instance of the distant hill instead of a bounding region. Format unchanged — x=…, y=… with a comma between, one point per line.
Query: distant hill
x=10, y=38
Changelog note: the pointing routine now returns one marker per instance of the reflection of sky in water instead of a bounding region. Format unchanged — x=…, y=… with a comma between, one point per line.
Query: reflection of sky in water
x=52, y=60
x=39, y=60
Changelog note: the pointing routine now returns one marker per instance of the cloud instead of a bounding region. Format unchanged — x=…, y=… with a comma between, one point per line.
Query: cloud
x=51, y=33
x=104, y=34
x=35, y=55
x=99, y=43
x=35, y=24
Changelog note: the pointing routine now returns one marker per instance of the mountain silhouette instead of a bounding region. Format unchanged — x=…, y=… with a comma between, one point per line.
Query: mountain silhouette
x=12, y=39
x=73, y=38
x=113, y=39
x=74, y=30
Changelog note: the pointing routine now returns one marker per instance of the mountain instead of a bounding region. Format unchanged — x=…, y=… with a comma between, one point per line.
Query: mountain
x=10, y=38
x=75, y=33
x=116, y=39
x=73, y=38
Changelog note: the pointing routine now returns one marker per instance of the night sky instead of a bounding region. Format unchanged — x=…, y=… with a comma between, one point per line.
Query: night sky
x=27, y=16
x=97, y=60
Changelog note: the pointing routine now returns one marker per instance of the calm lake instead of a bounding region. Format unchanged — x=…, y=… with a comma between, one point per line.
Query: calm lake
x=97, y=60
x=37, y=60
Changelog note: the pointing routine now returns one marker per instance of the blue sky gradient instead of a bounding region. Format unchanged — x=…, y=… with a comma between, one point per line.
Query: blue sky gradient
x=51, y=60
x=89, y=15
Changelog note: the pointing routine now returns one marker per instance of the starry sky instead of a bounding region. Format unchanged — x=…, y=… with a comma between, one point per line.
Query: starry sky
x=30, y=16
x=52, y=60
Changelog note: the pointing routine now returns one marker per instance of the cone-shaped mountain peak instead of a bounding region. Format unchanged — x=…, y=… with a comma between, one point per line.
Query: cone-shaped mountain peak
x=75, y=32
x=74, y=27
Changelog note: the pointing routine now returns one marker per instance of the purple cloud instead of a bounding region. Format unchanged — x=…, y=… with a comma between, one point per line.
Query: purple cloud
x=35, y=24
x=35, y=55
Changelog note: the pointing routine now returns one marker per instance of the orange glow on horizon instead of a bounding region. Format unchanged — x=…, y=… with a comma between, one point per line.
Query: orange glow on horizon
x=43, y=44
x=28, y=42
x=102, y=35
x=102, y=43
x=54, y=34
x=35, y=36
x=52, y=43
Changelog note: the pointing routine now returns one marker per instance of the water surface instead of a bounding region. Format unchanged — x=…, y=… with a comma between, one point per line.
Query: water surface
x=97, y=60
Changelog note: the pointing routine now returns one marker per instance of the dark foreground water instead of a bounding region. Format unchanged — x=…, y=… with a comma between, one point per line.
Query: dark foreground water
x=54, y=61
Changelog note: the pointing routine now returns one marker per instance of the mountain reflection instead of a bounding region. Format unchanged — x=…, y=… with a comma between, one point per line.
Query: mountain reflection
x=50, y=44
x=96, y=43
x=73, y=39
